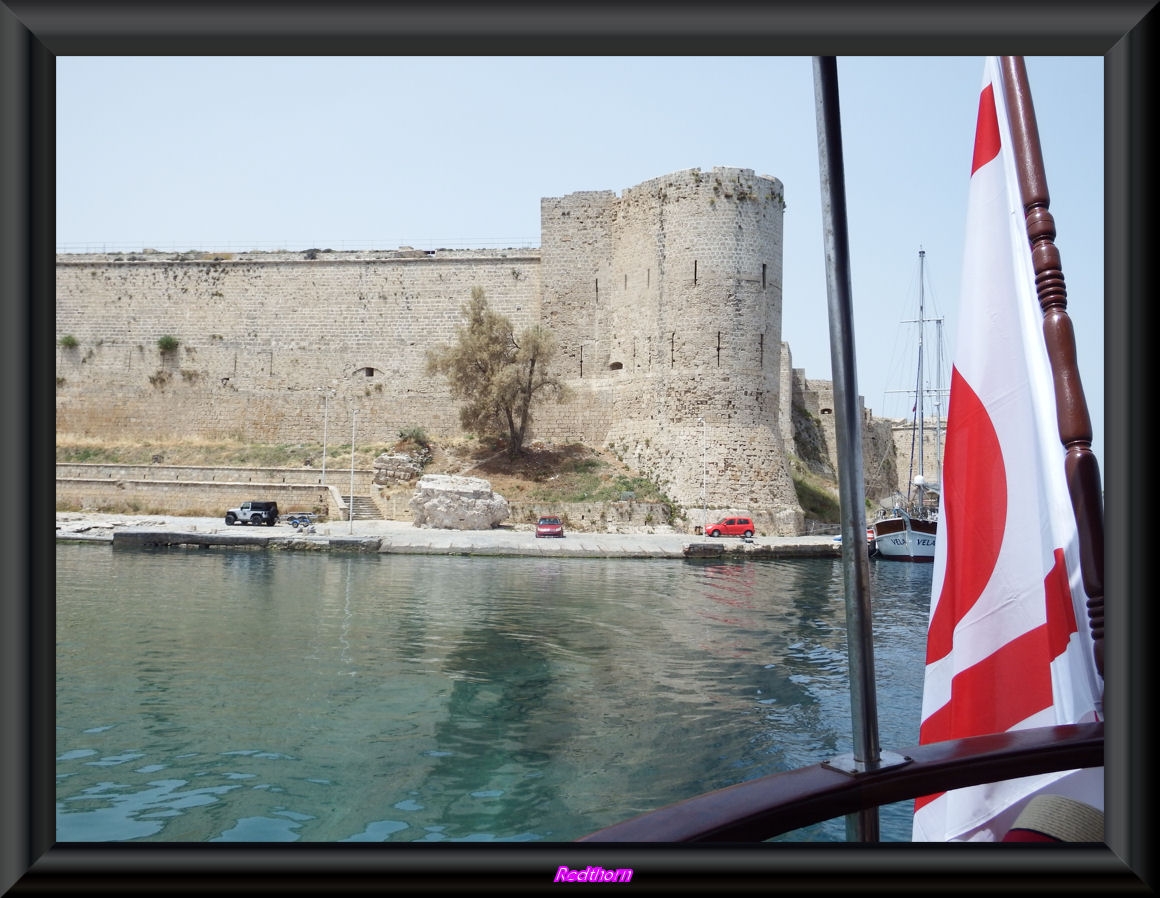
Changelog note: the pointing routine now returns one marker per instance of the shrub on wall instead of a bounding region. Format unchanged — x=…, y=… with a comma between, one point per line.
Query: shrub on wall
x=416, y=435
x=168, y=343
x=68, y=341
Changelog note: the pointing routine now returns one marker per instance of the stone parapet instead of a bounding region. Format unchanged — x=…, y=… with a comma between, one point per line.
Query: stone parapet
x=201, y=474
x=189, y=497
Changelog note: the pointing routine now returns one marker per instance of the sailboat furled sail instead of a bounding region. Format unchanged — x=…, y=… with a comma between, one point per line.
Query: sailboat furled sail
x=909, y=530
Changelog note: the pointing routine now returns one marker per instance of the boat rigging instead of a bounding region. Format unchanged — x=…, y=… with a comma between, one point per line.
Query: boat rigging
x=908, y=531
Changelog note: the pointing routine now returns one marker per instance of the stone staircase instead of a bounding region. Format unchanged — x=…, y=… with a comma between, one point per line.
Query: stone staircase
x=364, y=508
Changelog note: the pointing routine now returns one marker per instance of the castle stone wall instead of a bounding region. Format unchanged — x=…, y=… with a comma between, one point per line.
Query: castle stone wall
x=666, y=302
x=272, y=346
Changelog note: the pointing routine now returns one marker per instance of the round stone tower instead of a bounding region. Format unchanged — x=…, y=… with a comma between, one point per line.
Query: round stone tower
x=668, y=303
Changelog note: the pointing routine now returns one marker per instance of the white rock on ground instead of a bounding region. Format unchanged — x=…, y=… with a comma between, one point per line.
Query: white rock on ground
x=453, y=502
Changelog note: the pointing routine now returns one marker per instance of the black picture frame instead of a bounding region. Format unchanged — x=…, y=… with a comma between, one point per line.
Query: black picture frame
x=35, y=32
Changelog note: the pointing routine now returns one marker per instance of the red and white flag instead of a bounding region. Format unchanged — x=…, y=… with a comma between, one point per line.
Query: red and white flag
x=1008, y=644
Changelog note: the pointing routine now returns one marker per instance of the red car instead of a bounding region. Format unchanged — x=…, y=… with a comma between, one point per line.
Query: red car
x=732, y=527
x=549, y=526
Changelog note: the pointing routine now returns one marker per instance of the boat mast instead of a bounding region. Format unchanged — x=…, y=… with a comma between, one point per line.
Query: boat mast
x=938, y=409
x=918, y=396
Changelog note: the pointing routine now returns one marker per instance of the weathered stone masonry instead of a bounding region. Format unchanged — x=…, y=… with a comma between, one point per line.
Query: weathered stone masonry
x=666, y=301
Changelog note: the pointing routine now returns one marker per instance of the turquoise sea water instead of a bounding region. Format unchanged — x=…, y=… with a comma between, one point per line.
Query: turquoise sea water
x=237, y=696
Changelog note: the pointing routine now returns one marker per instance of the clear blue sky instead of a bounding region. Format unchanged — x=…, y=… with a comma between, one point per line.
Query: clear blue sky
x=237, y=153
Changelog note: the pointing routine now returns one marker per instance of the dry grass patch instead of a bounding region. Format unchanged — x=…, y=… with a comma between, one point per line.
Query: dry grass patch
x=541, y=473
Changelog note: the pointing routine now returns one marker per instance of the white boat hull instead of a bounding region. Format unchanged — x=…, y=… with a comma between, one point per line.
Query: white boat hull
x=904, y=539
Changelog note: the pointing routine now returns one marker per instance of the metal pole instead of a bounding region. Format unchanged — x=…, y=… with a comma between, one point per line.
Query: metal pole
x=851, y=488
x=704, y=474
x=325, y=413
x=350, y=498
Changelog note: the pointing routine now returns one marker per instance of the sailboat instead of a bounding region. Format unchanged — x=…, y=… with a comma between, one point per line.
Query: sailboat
x=909, y=530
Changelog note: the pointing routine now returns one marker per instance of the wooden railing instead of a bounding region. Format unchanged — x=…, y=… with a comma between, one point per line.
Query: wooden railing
x=783, y=802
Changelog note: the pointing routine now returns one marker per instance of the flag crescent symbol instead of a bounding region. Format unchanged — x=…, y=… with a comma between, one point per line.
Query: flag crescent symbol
x=974, y=522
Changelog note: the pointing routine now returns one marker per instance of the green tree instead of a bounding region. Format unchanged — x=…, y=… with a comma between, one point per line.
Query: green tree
x=495, y=374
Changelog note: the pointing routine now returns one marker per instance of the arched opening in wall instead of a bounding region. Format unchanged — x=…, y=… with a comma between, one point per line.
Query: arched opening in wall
x=368, y=374
x=827, y=411
x=616, y=366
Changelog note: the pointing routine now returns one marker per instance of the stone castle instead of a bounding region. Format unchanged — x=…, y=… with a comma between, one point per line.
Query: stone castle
x=666, y=302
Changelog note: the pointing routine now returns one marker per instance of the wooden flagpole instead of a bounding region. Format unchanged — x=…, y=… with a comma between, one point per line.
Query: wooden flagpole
x=1075, y=426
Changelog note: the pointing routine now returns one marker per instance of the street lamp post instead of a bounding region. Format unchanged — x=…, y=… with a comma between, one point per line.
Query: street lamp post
x=350, y=499
x=325, y=416
x=704, y=474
